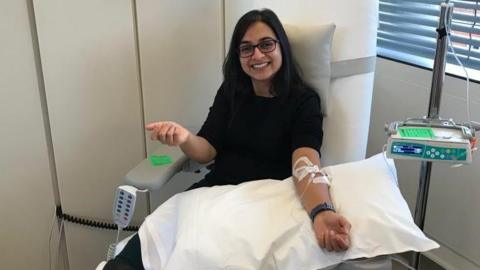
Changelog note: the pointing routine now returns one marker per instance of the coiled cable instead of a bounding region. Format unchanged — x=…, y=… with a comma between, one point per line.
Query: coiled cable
x=91, y=223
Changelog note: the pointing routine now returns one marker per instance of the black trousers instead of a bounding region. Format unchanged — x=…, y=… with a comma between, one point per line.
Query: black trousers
x=131, y=256
x=129, y=259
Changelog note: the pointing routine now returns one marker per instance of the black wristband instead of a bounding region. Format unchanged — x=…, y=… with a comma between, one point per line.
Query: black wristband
x=320, y=208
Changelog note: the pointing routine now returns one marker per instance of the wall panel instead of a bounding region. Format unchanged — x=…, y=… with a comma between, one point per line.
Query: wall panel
x=181, y=49
x=92, y=85
x=26, y=199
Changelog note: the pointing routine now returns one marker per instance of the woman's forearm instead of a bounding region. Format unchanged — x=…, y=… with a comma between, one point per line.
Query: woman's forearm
x=312, y=194
x=198, y=149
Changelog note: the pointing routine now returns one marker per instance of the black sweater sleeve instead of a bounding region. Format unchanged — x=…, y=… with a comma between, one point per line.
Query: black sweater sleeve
x=307, y=122
x=215, y=126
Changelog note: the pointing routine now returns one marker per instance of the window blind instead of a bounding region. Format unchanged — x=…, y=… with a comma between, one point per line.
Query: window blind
x=407, y=31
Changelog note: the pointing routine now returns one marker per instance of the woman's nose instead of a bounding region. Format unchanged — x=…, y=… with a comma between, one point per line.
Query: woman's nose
x=257, y=53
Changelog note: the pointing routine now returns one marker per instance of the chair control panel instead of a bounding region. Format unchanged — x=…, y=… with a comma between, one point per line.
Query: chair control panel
x=124, y=205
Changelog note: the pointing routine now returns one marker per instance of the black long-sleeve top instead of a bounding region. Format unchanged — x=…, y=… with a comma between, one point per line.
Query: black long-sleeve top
x=258, y=142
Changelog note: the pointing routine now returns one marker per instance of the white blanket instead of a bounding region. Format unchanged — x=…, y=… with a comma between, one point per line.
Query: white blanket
x=262, y=225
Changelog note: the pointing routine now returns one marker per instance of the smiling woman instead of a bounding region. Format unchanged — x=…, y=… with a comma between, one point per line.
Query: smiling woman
x=264, y=117
x=263, y=60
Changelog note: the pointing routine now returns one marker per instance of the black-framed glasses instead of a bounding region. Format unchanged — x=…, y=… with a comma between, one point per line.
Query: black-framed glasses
x=265, y=46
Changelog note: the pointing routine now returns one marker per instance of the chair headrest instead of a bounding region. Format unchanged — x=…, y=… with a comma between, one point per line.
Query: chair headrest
x=311, y=47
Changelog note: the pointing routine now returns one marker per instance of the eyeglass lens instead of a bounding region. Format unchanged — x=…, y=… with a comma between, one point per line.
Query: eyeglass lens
x=264, y=46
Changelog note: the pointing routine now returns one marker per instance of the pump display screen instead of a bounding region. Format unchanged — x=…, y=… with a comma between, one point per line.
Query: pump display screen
x=429, y=152
x=408, y=149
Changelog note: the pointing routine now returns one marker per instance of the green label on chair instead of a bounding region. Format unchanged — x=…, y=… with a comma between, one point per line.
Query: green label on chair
x=416, y=132
x=160, y=160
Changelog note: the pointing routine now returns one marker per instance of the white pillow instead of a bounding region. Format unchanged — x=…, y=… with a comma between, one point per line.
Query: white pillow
x=262, y=225
x=366, y=192
x=311, y=48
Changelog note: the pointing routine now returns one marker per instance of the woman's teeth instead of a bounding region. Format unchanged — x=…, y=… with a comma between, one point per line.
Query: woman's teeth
x=260, y=65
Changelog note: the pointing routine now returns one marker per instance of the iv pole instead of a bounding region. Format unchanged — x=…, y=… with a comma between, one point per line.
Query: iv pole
x=433, y=113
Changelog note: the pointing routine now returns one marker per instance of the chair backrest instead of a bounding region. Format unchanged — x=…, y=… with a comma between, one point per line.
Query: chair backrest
x=348, y=96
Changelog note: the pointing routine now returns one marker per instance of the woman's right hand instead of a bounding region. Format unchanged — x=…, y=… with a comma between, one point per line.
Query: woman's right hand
x=168, y=132
x=332, y=231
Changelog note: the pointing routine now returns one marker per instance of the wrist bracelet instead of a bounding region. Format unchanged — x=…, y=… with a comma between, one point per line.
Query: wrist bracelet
x=326, y=206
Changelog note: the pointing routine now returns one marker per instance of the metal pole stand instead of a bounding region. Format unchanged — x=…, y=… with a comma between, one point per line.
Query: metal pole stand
x=433, y=113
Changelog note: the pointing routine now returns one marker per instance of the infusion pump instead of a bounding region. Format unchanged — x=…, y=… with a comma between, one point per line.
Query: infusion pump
x=430, y=140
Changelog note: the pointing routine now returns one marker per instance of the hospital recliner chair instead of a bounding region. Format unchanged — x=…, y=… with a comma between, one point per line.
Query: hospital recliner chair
x=334, y=42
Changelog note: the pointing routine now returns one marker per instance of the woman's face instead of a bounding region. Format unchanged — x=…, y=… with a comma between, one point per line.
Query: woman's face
x=260, y=66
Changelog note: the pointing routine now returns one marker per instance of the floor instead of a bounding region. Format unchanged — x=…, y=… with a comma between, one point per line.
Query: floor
x=425, y=263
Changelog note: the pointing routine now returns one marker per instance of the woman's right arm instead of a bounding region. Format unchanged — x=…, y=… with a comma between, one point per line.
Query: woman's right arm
x=173, y=134
x=204, y=146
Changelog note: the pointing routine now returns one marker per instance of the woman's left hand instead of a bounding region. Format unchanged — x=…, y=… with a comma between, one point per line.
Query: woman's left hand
x=332, y=231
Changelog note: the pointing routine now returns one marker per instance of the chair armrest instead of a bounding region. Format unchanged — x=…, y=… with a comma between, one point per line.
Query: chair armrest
x=147, y=176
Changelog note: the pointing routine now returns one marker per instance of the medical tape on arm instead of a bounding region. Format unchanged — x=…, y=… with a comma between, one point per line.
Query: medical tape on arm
x=309, y=171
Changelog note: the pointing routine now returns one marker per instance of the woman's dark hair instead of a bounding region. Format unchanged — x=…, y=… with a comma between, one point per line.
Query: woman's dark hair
x=237, y=82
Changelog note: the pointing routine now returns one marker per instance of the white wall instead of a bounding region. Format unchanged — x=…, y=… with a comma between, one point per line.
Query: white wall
x=452, y=217
x=92, y=87
x=181, y=55
x=26, y=199
x=72, y=109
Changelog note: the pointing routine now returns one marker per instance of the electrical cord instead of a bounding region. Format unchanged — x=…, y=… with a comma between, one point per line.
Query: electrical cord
x=91, y=223
x=449, y=41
